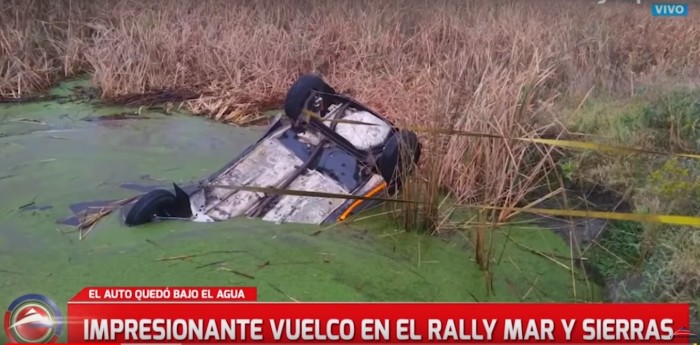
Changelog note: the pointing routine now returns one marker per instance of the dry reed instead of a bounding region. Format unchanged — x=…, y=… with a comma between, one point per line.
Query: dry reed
x=493, y=67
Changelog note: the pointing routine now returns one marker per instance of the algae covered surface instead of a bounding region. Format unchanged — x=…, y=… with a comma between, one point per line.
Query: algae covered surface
x=57, y=153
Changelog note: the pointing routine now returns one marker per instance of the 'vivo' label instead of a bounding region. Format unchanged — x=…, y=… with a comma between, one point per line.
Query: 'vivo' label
x=669, y=10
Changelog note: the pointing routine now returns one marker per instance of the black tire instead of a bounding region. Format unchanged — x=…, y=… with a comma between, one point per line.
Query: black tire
x=154, y=203
x=401, y=153
x=300, y=91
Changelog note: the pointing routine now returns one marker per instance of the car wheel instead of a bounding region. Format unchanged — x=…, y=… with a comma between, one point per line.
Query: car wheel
x=156, y=203
x=401, y=152
x=300, y=91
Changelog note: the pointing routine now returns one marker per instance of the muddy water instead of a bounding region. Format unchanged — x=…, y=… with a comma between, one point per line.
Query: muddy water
x=58, y=153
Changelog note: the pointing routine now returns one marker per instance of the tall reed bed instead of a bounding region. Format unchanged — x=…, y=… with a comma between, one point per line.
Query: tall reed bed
x=492, y=67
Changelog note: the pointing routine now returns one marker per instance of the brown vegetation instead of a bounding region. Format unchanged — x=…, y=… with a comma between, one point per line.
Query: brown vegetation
x=481, y=66
x=463, y=63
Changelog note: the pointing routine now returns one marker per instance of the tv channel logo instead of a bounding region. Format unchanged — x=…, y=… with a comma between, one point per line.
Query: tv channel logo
x=33, y=319
x=669, y=10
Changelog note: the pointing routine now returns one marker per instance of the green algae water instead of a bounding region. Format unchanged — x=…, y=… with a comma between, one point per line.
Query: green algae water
x=57, y=153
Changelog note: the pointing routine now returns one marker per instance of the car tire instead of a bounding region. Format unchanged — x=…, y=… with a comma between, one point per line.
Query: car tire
x=300, y=91
x=391, y=160
x=154, y=203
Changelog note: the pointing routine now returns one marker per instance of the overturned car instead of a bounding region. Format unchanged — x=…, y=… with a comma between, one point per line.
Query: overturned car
x=324, y=142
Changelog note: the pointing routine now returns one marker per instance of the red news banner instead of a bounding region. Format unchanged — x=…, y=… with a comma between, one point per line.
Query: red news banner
x=231, y=315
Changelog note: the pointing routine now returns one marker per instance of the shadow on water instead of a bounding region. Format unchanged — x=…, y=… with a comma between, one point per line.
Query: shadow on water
x=55, y=164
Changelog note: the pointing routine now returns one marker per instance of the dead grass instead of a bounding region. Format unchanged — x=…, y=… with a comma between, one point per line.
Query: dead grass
x=402, y=58
x=492, y=67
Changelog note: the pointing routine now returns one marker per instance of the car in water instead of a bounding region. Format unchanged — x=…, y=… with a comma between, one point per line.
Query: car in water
x=323, y=142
